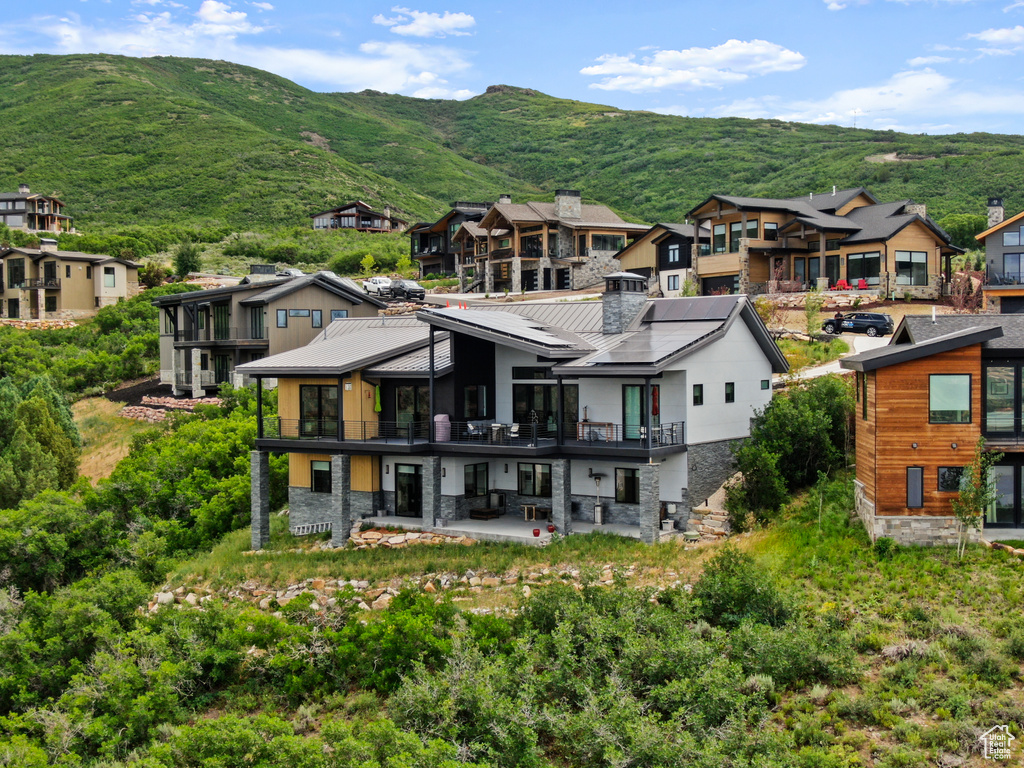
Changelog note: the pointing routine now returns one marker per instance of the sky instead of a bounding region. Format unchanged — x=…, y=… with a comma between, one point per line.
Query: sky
x=920, y=66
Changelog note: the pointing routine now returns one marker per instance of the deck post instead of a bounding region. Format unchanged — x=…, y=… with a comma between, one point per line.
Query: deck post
x=561, y=496
x=259, y=490
x=650, y=503
x=340, y=511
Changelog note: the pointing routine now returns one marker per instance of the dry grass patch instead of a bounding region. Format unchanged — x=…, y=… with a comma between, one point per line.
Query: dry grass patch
x=106, y=437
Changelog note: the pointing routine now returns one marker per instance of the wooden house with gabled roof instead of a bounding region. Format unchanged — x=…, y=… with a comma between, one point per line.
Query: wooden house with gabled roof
x=360, y=217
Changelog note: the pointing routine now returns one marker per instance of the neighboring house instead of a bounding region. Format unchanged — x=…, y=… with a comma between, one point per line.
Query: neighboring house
x=360, y=217
x=205, y=335
x=822, y=240
x=33, y=213
x=562, y=245
x=432, y=243
x=453, y=413
x=47, y=283
x=922, y=403
x=664, y=254
x=1003, y=242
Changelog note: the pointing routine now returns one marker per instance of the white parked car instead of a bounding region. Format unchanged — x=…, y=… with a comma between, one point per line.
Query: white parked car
x=378, y=285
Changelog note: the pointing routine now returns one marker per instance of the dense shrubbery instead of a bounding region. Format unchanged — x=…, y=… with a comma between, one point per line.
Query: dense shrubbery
x=798, y=435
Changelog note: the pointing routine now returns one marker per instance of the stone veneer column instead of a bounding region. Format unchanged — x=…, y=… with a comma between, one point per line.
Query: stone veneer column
x=431, y=490
x=197, y=373
x=340, y=510
x=488, y=275
x=259, y=462
x=561, y=496
x=650, y=503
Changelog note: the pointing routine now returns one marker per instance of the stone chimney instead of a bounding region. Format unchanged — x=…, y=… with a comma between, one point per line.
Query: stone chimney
x=23, y=189
x=505, y=199
x=625, y=296
x=568, y=204
x=919, y=208
x=996, y=214
x=47, y=245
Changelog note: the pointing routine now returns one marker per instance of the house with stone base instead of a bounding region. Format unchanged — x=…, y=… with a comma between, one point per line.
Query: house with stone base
x=619, y=412
x=761, y=245
x=922, y=403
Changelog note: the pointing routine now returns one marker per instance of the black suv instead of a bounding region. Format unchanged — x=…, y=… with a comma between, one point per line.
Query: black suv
x=871, y=323
x=407, y=289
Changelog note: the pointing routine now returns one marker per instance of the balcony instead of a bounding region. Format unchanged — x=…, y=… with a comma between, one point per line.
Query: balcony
x=244, y=336
x=51, y=283
x=480, y=437
x=1005, y=279
x=183, y=379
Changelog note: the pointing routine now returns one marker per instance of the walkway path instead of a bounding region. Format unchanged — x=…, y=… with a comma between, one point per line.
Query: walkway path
x=858, y=343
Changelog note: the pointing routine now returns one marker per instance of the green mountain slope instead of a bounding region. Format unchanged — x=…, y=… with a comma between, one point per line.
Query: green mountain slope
x=168, y=140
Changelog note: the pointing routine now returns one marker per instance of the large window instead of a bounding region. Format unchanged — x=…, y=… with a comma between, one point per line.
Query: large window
x=607, y=242
x=338, y=314
x=318, y=410
x=735, y=233
x=108, y=277
x=538, y=404
x=949, y=398
x=627, y=486
x=718, y=239
x=15, y=273
x=635, y=419
x=535, y=480
x=1013, y=237
x=949, y=478
x=282, y=318
x=771, y=230
x=320, y=472
x=672, y=283
x=915, y=487
x=911, y=268
x=673, y=253
x=474, y=401
x=863, y=266
x=476, y=480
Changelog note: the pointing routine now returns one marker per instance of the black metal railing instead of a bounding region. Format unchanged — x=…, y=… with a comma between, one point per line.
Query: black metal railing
x=184, y=379
x=221, y=334
x=351, y=431
x=609, y=434
x=41, y=282
x=1005, y=278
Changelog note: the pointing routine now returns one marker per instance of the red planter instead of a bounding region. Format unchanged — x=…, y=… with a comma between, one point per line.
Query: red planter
x=551, y=529
x=536, y=531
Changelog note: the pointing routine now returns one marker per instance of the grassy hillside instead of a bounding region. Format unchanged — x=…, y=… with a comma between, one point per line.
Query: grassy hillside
x=169, y=140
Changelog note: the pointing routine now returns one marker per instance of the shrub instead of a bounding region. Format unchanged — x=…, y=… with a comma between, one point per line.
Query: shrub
x=733, y=589
x=187, y=258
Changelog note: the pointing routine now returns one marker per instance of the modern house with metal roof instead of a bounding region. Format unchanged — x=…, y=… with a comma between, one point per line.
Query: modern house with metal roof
x=46, y=283
x=34, y=213
x=1003, y=242
x=664, y=255
x=923, y=401
x=205, y=335
x=516, y=410
x=843, y=239
x=360, y=217
x=432, y=243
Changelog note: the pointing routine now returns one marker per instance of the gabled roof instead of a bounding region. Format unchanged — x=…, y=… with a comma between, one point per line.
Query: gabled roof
x=266, y=291
x=915, y=329
x=92, y=258
x=359, y=205
x=591, y=216
x=807, y=205
x=980, y=237
x=895, y=352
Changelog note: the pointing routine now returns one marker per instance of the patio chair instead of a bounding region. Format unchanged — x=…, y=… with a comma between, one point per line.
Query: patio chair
x=513, y=431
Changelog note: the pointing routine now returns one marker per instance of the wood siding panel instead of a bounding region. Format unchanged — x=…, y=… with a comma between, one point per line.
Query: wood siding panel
x=866, y=436
x=300, y=474
x=718, y=264
x=365, y=473
x=642, y=253
x=901, y=415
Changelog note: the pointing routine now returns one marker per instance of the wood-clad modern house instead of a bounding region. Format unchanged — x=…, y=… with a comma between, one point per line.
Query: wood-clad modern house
x=922, y=403
x=46, y=283
x=822, y=240
x=1003, y=242
x=34, y=213
x=454, y=415
x=432, y=243
x=360, y=217
x=664, y=255
x=206, y=335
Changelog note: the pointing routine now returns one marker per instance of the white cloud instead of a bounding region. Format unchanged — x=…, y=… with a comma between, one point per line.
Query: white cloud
x=216, y=18
x=393, y=66
x=423, y=24
x=262, y=6
x=731, y=62
x=911, y=101
x=1011, y=36
x=924, y=61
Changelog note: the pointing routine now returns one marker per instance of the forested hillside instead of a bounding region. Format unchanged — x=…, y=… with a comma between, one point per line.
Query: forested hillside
x=189, y=141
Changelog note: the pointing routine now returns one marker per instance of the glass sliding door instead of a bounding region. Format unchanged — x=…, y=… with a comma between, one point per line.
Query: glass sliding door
x=1002, y=400
x=1003, y=510
x=635, y=419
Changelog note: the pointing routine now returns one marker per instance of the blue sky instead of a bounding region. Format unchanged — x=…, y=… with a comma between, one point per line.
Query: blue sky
x=922, y=66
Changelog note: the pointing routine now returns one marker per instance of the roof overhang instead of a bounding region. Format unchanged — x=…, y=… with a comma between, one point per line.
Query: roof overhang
x=894, y=354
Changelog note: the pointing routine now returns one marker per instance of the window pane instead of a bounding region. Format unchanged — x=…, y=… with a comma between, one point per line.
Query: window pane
x=949, y=478
x=526, y=480
x=1001, y=510
x=949, y=398
x=718, y=241
x=698, y=394
x=915, y=486
x=321, y=476
x=627, y=486
x=999, y=398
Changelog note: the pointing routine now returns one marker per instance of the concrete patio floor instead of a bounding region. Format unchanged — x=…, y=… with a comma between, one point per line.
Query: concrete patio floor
x=507, y=528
